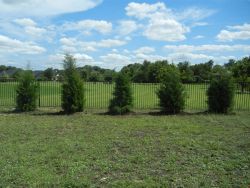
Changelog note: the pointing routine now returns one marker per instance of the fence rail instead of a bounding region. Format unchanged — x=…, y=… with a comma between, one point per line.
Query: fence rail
x=98, y=95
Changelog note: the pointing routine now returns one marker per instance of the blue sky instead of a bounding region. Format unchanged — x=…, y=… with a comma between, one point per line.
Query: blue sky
x=114, y=33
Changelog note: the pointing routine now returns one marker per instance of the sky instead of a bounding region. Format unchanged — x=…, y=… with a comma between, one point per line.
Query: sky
x=115, y=33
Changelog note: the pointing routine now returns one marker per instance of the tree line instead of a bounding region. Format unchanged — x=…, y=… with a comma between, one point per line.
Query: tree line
x=147, y=72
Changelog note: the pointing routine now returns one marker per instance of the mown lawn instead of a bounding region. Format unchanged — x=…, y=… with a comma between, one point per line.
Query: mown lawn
x=39, y=150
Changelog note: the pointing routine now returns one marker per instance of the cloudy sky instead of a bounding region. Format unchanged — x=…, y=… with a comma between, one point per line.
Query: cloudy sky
x=114, y=33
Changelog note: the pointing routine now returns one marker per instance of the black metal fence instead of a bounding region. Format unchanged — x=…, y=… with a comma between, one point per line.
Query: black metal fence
x=98, y=95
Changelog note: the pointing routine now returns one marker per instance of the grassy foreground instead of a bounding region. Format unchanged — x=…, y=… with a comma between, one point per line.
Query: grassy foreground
x=39, y=150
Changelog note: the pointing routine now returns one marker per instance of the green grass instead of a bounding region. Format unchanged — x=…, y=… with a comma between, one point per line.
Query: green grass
x=39, y=150
x=98, y=96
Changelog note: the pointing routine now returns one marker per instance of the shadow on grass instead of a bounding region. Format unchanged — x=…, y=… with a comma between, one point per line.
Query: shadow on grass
x=151, y=113
x=59, y=113
x=160, y=113
x=35, y=113
x=106, y=113
x=111, y=114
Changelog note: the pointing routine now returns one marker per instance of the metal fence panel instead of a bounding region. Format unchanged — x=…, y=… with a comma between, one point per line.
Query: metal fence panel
x=98, y=95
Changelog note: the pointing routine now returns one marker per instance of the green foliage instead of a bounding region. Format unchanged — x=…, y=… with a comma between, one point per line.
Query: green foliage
x=4, y=77
x=109, y=76
x=146, y=72
x=123, y=100
x=185, y=71
x=221, y=94
x=241, y=69
x=72, y=88
x=241, y=72
x=96, y=74
x=17, y=74
x=171, y=92
x=48, y=74
x=95, y=77
x=27, y=92
x=202, y=71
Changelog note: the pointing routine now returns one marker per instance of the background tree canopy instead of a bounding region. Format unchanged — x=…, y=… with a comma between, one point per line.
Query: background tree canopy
x=147, y=72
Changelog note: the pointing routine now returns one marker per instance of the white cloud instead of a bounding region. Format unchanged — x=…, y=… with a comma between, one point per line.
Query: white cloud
x=199, y=37
x=207, y=48
x=68, y=41
x=144, y=10
x=146, y=53
x=73, y=45
x=30, y=28
x=45, y=7
x=8, y=45
x=197, y=58
x=165, y=30
x=87, y=26
x=194, y=14
x=165, y=24
x=145, y=50
x=115, y=59
x=195, y=24
x=161, y=25
x=189, y=57
x=140, y=57
x=238, y=32
x=126, y=27
x=81, y=59
x=114, y=50
x=35, y=31
x=202, y=53
x=240, y=27
x=69, y=49
x=108, y=43
x=25, y=22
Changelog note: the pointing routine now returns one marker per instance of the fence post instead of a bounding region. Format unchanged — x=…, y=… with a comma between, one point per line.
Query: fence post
x=39, y=94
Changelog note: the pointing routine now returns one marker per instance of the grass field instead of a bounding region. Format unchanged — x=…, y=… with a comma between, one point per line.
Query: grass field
x=46, y=150
x=98, y=95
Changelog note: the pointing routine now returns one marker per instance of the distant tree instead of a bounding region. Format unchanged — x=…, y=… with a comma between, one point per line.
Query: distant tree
x=3, y=68
x=109, y=76
x=49, y=74
x=171, y=91
x=27, y=92
x=84, y=74
x=95, y=77
x=219, y=70
x=140, y=77
x=202, y=71
x=17, y=74
x=155, y=69
x=230, y=64
x=4, y=77
x=72, y=89
x=185, y=72
x=241, y=72
x=132, y=71
x=220, y=94
x=123, y=101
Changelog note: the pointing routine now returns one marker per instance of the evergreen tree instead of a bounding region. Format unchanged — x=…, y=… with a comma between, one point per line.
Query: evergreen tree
x=221, y=94
x=171, y=91
x=72, y=89
x=27, y=92
x=123, y=100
